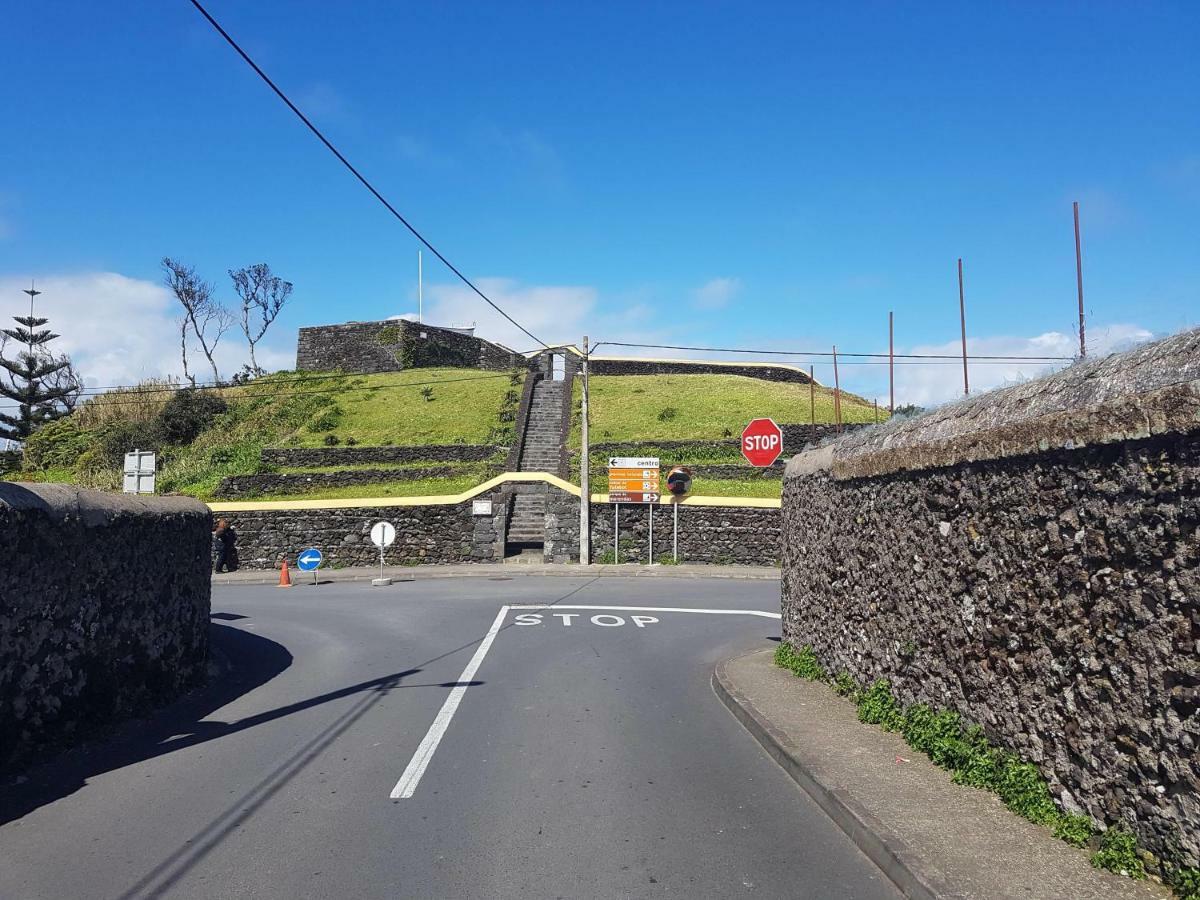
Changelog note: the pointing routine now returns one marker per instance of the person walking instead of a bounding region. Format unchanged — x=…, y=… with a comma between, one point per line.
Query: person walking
x=224, y=541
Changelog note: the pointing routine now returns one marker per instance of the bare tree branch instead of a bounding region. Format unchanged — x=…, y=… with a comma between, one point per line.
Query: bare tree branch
x=263, y=295
x=209, y=320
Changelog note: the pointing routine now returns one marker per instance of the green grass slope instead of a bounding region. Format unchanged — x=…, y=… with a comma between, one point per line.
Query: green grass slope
x=204, y=436
x=701, y=407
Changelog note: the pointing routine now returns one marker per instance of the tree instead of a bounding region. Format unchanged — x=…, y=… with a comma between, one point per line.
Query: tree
x=203, y=315
x=263, y=296
x=45, y=387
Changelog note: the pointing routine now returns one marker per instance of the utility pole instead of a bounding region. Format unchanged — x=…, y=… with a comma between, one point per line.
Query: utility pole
x=420, y=292
x=1079, y=282
x=812, y=402
x=962, y=319
x=891, y=363
x=837, y=393
x=585, y=491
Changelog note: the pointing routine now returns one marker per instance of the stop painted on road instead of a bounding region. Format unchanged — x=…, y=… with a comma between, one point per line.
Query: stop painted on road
x=604, y=620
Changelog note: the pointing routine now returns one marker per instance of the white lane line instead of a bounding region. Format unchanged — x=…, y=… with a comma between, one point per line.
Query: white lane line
x=670, y=609
x=407, y=785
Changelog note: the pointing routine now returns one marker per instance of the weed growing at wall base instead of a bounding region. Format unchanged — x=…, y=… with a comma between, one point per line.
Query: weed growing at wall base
x=972, y=760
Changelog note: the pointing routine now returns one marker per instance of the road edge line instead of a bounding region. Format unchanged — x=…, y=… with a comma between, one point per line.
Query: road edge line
x=407, y=785
x=890, y=855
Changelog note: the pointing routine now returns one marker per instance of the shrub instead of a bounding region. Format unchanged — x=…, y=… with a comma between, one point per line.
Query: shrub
x=186, y=414
x=326, y=421
x=802, y=662
x=1075, y=830
x=1186, y=883
x=667, y=413
x=331, y=440
x=877, y=706
x=1118, y=853
x=56, y=444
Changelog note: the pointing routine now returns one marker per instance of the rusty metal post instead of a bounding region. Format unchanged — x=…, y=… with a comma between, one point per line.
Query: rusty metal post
x=962, y=318
x=891, y=363
x=837, y=394
x=1079, y=282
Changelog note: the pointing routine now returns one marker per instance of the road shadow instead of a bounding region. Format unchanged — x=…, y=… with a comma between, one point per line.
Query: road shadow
x=243, y=661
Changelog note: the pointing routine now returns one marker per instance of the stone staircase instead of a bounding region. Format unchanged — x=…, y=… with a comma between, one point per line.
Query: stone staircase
x=526, y=519
x=542, y=450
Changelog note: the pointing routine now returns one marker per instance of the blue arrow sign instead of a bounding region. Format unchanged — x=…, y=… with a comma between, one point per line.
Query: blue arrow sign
x=309, y=560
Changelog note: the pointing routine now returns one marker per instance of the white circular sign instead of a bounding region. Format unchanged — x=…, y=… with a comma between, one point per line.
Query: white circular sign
x=382, y=534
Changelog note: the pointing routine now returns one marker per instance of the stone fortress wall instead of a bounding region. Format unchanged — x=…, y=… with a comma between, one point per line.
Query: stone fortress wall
x=1031, y=559
x=104, y=610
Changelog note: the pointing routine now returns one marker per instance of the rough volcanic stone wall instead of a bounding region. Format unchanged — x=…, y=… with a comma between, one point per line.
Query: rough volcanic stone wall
x=396, y=344
x=719, y=535
x=442, y=533
x=599, y=366
x=277, y=483
x=318, y=457
x=1030, y=559
x=104, y=606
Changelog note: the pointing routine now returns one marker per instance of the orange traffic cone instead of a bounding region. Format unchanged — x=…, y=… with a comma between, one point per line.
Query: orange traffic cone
x=285, y=580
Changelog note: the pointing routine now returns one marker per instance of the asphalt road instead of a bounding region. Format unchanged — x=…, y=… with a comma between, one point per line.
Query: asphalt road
x=340, y=755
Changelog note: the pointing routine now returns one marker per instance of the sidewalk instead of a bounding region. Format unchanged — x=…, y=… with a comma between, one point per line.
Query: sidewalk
x=499, y=570
x=933, y=838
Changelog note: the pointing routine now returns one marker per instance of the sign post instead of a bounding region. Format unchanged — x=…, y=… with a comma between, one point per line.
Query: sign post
x=382, y=535
x=762, y=442
x=632, y=479
x=309, y=561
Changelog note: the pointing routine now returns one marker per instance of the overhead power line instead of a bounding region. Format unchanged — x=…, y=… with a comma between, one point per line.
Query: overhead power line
x=953, y=356
x=345, y=162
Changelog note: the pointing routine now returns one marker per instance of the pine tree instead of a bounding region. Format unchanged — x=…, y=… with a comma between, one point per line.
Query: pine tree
x=43, y=386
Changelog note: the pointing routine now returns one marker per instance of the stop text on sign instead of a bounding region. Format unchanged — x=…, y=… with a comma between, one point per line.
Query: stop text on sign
x=762, y=442
x=604, y=620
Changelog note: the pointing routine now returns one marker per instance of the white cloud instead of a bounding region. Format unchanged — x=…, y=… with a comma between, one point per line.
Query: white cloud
x=119, y=330
x=933, y=383
x=716, y=293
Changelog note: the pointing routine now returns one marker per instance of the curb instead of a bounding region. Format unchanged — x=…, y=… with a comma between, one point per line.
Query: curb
x=506, y=572
x=874, y=839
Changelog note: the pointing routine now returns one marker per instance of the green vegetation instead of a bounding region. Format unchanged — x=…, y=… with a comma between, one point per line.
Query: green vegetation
x=700, y=407
x=973, y=760
x=203, y=436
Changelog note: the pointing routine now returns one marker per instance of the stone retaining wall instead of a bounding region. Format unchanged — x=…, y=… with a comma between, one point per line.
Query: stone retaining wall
x=283, y=483
x=104, y=606
x=323, y=457
x=603, y=366
x=1031, y=559
x=394, y=345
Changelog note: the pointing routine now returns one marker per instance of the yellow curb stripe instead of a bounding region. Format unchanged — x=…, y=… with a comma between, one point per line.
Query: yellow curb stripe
x=454, y=499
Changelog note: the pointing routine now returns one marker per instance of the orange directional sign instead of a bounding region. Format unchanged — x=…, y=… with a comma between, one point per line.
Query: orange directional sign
x=633, y=479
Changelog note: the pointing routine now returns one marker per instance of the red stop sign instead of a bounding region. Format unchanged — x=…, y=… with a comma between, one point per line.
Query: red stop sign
x=762, y=442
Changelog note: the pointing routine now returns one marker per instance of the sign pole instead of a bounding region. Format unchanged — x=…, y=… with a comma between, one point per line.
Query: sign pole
x=891, y=364
x=616, y=532
x=585, y=495
x=650, y=561
x=675, y=541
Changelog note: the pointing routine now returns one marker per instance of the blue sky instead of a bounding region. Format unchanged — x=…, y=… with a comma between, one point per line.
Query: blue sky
x=773, y=176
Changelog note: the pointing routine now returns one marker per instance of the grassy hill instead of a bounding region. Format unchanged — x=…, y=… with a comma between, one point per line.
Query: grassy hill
x=203, y=436
x=701, y=407
x=649, y=408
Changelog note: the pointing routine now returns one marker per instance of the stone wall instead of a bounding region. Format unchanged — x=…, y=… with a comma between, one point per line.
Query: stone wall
x=397, y=344
x=234, y=486
x=104, y=606
x=323, y=457
x=1031, y=559
x=631, y=366
x=719, y=535
x=426, y=534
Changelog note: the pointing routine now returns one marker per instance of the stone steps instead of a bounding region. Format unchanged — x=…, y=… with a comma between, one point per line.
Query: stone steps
x=542, y=447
